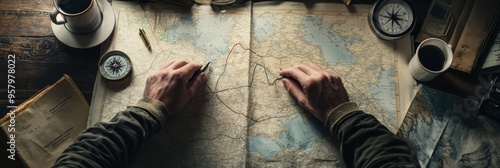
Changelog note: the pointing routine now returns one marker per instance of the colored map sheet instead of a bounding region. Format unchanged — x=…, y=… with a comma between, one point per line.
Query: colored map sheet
x=244, y=116
x=445, y=131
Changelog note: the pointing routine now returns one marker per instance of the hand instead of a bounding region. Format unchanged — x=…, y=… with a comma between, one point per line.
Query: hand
x=316, y=90
x=170, y=85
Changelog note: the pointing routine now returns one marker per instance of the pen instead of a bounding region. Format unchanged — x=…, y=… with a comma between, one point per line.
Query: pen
x=198, y=72
x=144, y=38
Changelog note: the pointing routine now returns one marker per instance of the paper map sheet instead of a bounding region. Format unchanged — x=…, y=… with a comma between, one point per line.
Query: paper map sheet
x=445, y=131
x=245, y=117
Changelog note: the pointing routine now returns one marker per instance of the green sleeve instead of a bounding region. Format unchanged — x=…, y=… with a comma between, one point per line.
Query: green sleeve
x=364, y=142
x=114, y=143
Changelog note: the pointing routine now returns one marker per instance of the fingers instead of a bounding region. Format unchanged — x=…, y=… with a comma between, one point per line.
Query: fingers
x=189, y=69
x=173, y=65
x=196, y=84
x=176, y=65
x=309, y=70
x=318, y=69
x=167, y=64
x=307, y=74
x=180, y=69
x=296, y=74
x=332, y=78
x=295, y=90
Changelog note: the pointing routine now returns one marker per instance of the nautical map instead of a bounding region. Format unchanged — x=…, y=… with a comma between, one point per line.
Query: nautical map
x=445, y=131
x=244, y=116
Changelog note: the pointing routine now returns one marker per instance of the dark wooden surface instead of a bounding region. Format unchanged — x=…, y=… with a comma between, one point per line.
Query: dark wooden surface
x=25, y=30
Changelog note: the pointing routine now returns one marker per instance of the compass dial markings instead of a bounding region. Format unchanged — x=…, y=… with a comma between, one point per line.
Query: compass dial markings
x=400, y=15
x=396, y=14
x=115, y=65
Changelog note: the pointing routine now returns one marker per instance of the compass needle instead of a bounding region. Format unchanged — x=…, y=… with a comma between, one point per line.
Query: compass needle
x=397, y=12
x=388, y=20
x=396, y=20
x=401, y=15
x=115, y=65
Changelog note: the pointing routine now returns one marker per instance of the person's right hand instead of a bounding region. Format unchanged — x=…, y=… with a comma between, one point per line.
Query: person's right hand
x=170, y=85
x=316, y=90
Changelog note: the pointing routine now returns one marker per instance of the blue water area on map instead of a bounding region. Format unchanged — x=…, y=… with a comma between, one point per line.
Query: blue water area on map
x=262, y=27
x=332, y=45
x=385, y=88
x=209, y=33
x=299, y=134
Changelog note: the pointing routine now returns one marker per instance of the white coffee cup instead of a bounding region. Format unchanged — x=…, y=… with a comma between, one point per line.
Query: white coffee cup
x=78, y=16
x=433, y=57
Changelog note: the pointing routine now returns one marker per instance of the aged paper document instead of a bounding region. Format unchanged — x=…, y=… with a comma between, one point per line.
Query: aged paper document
x=47, y=123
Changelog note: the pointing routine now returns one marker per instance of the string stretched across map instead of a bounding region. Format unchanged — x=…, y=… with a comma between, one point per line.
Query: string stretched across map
x=245, y=117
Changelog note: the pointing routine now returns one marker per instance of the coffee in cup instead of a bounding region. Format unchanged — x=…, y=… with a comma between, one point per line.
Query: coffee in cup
x=433, y=56
x=78, y=16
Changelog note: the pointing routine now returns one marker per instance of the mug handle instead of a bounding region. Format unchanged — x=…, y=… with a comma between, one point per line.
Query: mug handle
x=99, y=6
x=53, y=17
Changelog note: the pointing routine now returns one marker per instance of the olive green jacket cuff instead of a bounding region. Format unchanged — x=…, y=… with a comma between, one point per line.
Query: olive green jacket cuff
x=338, y=113
x=155, y=108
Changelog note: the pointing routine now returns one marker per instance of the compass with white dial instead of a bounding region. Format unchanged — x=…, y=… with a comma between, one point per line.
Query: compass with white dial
x=392, y=19
x=115, y=65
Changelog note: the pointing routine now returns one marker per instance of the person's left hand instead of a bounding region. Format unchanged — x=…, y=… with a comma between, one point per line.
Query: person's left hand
x=170, y=85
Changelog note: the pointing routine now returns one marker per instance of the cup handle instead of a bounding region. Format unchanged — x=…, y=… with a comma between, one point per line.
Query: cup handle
x=101, y=9
x=53, y=17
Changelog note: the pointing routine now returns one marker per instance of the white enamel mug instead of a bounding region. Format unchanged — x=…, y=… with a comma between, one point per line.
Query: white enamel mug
x=78, y=16
x=432, y=57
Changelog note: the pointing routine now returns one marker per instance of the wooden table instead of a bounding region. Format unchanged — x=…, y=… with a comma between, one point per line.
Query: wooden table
x=25, y=31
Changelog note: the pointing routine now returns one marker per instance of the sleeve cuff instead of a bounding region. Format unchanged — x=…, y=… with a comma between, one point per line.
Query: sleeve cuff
x=339, y=112
x=155, y=108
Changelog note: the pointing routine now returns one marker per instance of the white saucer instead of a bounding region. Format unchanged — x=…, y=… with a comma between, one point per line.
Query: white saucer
x=92, y=39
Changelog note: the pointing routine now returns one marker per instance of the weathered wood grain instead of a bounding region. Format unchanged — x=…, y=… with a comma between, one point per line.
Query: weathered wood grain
x=24, y=23
x=40, y=61
x=29, y=5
